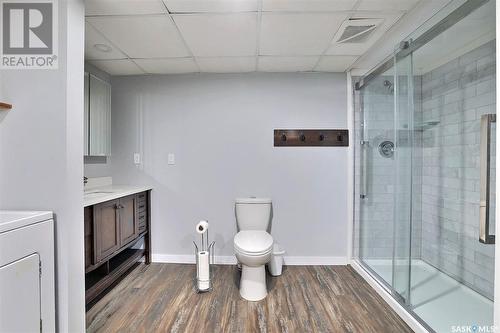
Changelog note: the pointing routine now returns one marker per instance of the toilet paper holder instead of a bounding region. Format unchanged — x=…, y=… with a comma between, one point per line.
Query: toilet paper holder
x=205, y=258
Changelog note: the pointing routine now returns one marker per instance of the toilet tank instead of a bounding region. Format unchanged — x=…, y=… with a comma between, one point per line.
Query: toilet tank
x=253, y=213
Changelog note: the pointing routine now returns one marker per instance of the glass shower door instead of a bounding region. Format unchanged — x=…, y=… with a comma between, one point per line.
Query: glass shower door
x=385, y=149
x=376, y=188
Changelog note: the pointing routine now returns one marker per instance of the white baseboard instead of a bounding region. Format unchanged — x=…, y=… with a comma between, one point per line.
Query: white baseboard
x=315, y=261
x=189, y=259
x=231, y=260
x=398, y=308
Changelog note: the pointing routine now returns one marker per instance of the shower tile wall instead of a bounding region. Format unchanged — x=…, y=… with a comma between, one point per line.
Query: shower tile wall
x=456, y=94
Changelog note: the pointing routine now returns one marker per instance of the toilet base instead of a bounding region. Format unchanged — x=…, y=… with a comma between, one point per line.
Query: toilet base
x=253, y=283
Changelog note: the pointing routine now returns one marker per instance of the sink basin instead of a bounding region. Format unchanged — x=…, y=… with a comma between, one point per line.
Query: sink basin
x=96, y=193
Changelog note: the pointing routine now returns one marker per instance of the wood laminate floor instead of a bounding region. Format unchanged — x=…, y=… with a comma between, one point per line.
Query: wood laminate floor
x=162, y=298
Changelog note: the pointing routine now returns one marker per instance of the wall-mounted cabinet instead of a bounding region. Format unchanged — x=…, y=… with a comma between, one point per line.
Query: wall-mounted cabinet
x=97, y=117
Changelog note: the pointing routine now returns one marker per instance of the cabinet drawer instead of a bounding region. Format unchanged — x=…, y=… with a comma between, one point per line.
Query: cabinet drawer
x=141, y=216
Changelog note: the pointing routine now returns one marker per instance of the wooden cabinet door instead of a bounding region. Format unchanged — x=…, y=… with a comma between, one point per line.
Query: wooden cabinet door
x=128, y=222
x=107, y=229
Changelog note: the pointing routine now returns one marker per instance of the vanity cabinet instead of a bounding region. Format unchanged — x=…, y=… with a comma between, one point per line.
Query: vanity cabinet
x=117, y=235
x=97, y=116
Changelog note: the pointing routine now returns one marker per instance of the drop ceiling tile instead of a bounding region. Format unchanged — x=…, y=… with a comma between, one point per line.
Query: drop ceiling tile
x=298, y=34
x=307, y=5
x=123, y=7
x=117, y=67
x=168, y=65
x=334, y=63
x=227, y=64
x=152, y=36
x=286, y=64
x=379, y=5
x=219, y=34
x=204, y=6
x=93, y=38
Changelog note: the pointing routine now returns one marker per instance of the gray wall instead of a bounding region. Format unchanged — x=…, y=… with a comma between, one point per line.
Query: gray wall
x=220, y=128
x=41, y=142
x=457, y=94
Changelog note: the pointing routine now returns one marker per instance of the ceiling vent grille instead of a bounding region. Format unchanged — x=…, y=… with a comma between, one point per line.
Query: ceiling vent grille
x=357, y=30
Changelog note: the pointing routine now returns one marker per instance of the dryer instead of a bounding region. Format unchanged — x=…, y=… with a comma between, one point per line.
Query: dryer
x=27, y=286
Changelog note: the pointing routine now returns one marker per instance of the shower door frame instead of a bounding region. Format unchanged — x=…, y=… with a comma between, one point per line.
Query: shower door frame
x=406, y=48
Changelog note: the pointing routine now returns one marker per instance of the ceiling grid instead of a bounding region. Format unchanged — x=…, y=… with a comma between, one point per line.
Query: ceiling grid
x=230, y=35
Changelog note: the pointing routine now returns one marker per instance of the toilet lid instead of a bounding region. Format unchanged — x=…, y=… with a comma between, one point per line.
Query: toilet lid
x=253, y=241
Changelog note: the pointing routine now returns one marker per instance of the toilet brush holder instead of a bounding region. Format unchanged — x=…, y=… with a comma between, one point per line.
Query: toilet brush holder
x=204, y=255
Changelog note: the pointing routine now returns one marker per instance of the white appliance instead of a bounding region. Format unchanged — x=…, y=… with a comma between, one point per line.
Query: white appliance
x=27, y=290
x=253, y=245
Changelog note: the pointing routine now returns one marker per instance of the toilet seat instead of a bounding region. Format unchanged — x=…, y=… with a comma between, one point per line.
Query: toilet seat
x=253, y=242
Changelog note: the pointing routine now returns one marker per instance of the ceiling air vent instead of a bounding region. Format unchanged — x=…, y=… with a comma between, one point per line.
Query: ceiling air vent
x=357, y=30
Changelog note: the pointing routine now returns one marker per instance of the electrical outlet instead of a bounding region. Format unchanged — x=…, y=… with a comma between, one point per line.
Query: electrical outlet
x=171, y=159
x=137, y=158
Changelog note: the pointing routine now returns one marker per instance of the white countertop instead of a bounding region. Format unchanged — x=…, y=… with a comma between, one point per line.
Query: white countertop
x=100, y=194
x=11, y=219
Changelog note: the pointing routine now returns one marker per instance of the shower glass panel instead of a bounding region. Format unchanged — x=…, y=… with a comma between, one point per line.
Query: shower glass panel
x=386, y=150
x=376, y=196
x=403, y=153
x=425, y=194
x=456, y=72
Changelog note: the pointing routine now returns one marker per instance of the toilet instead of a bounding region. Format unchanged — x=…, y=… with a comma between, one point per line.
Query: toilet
x=253, y=245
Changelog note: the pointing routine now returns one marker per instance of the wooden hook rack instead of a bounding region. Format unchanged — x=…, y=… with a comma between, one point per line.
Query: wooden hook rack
x=311, y=138
x=5, y=106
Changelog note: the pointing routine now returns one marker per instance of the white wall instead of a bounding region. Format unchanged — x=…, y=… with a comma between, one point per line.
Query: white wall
x=220, y=128
x=41, y=155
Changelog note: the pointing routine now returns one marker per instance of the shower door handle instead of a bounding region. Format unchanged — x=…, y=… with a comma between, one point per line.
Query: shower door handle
x=364, y=176
x=484, y=196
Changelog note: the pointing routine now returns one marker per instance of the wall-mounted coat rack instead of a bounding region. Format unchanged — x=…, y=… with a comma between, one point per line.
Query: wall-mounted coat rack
x=311, y=138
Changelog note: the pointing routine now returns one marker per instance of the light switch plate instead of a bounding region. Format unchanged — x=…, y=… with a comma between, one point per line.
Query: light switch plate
x=137, y=158
x=171, y=159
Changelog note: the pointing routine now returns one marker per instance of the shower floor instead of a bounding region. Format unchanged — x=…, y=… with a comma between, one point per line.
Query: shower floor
x=441, y=301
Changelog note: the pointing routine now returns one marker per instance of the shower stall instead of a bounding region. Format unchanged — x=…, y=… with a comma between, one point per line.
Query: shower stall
x=425, y=169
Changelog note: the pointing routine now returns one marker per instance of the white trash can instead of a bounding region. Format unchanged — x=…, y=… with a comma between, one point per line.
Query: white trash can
x=276, y=264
